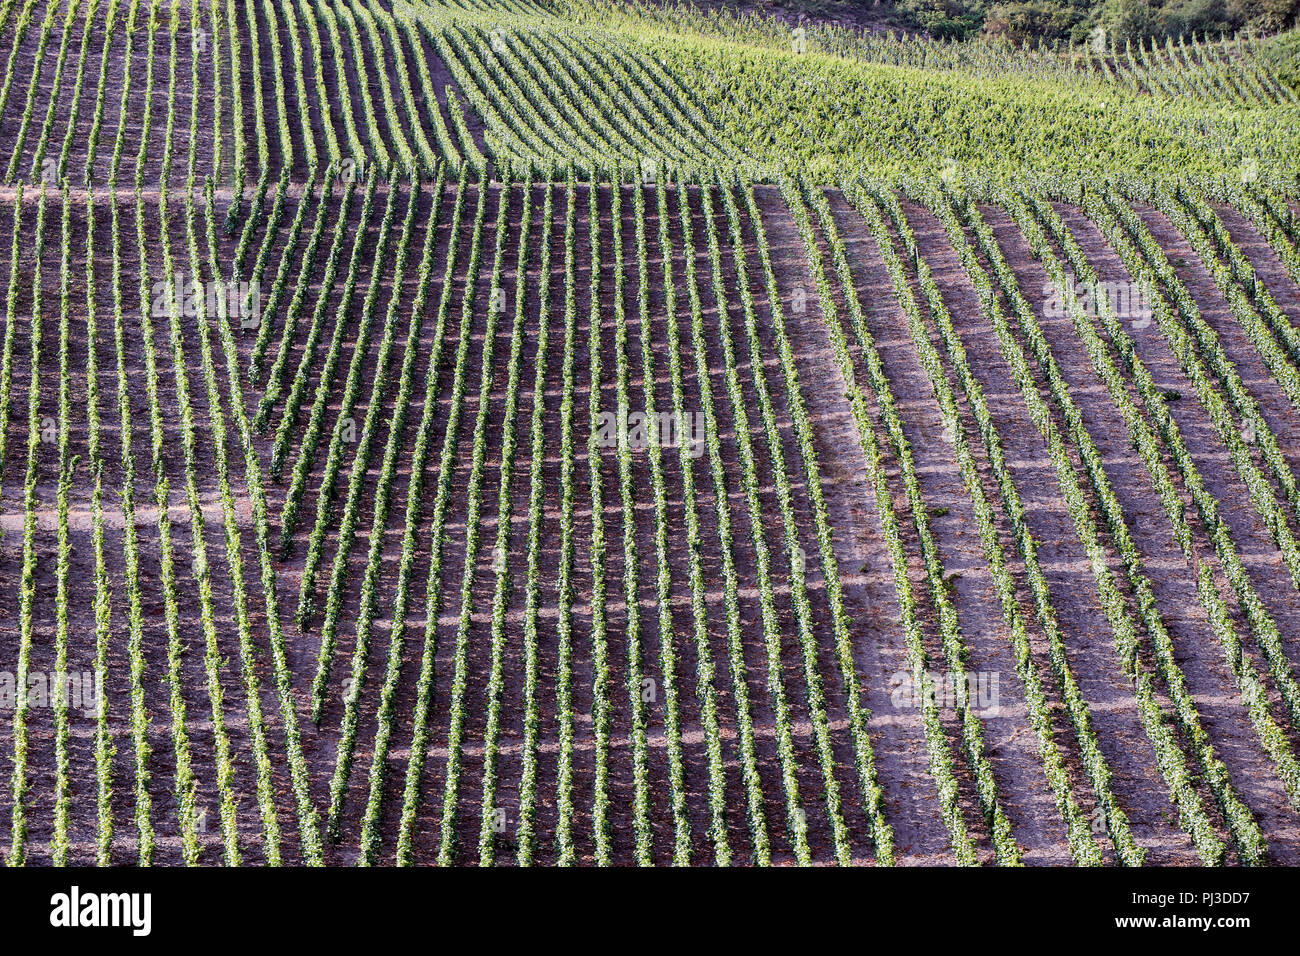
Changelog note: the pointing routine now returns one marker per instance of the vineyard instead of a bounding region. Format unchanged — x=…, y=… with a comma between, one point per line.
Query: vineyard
x=566, y=432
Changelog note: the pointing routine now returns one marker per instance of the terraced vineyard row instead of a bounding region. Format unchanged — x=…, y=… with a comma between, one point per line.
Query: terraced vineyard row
x=273, y=90
x=309, y=88
x=511, y=434
x=757, y=687
x=1222, y=69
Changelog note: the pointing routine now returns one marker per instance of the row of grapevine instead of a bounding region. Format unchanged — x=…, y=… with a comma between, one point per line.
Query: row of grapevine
x=11, y=324
x=101, y=87
x=735, y=650
x=1177, y=336
x=1195, y=345
x=447, y=455
x=303, y=273
x=347, y=524
x=796, y=822
x=623, y=99
x=1224, y=69
x=351, y=391
x=301, y=379
x=1270, y=331
x=564, y=585
x=274, y=384
x=302, y=66
x=1171, y=759
x=415, y=486
x=307, y=816
x=1245, y=829
x=693, y=763
x=234, y=554
x=184, y=782
x=473, y=530
x=67, y=464
x=201, y=570
x=1082, y=844
x=955, y=651
x=29, y=109
x=601, y=703
x=663, y=578
x=103, y=586
x=1094, y=760
x=316, y=419
x=367, y=607
x=176, y=674
x=631, y=559
x=131, y=560
x=505, y=505
x=27, y=585
x=815, y=695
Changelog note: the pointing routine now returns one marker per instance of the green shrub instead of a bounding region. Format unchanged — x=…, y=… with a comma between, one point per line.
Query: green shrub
x=1028, y=20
